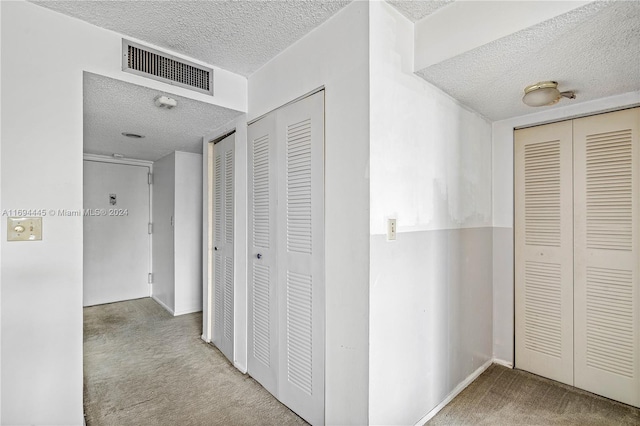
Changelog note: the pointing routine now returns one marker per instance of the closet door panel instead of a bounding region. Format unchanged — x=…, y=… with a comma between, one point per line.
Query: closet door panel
x=223, y=207
x=262, y=342
x=607, y=255
x=300, y=244
x=544, y=251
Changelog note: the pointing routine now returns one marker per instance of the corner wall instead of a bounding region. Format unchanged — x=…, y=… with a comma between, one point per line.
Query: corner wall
x=336, y=55
x=431, y=289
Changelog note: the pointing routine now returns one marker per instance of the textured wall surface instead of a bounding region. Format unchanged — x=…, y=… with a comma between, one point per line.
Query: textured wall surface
x=239, y=36
x=594, y=50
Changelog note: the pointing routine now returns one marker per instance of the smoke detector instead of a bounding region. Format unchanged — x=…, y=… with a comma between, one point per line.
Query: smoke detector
x=165, y=102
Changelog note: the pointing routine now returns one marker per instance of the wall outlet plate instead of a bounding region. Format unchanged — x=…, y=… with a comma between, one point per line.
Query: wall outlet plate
x=391, y=229
x=24, y=229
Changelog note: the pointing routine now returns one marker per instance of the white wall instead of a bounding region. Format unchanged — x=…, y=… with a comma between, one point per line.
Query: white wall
x=164, y=200
x=43, y=57
x=503, y=205
x=188, y=232
x=336, y=55
x=431, y=289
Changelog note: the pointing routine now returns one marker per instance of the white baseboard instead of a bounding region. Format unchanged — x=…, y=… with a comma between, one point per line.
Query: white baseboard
x=503, y=363
x=203, y=337
x=466, y=382
x=188, y=311
x=159, y=302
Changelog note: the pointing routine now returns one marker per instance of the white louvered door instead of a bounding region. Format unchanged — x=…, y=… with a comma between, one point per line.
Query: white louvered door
x=223, y=274
x=286, y=266
x=607, y=255
x=262, y=267
x=544, y=251
x=578, y=253
x=300, y=242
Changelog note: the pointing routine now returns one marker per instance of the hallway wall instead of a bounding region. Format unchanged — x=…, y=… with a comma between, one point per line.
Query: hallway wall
x=431, y=288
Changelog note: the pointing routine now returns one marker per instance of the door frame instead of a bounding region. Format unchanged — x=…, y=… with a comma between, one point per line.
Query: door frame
x=130, y=162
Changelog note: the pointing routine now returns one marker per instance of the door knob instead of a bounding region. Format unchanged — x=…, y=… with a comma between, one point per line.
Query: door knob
x=259, y=256
x=215, y=248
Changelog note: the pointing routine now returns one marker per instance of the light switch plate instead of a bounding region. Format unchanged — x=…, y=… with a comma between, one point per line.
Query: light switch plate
x=24, y=228
x=391, y=229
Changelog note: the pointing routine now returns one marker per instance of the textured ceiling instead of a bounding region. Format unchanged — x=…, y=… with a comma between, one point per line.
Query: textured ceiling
x=418, y=9
x=594, y=50
x=112, y=107
x=237, y=35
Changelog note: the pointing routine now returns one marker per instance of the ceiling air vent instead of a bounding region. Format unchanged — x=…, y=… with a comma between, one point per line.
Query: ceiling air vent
x=150, y=63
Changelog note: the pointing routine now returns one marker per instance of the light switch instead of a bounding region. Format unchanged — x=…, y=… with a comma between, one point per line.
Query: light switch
x=391, y=229
x=24, y=228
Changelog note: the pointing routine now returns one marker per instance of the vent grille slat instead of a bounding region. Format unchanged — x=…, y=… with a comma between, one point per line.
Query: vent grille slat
x=162, y=67
x=610, y=325
x=609, y=190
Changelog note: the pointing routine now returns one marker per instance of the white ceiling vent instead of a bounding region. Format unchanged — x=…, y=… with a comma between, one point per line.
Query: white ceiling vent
x=150, y=63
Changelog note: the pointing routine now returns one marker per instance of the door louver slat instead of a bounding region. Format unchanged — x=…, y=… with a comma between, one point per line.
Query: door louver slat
x=261, y=196
x=260, y=289
x=299, y=187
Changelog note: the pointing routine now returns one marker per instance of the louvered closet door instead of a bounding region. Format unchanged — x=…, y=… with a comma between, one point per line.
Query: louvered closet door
x=300, y=128
x=262, y=267
x=223, y=168
x=544, y=251
x=607, y=255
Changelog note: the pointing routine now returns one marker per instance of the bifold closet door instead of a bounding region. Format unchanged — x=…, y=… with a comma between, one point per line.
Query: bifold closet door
x=607, y=255
x=544, y=251
x=286, y=251
x=262, y=336
x=223, y=245
x=300, y=242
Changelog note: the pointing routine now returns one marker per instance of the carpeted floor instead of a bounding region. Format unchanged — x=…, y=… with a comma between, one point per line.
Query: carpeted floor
x=144, y=367
x=502, y=396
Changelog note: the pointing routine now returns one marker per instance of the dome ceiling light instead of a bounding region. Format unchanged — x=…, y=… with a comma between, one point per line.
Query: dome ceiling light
x=545, y=93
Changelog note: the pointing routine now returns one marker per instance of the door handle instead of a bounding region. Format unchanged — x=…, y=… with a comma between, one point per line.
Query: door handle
x=259, y=256
x=215, y=248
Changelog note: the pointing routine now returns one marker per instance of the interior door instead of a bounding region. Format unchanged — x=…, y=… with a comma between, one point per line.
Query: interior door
x=116, y=236
x=262, y=345
x=223, y=273
x=544, y=251
x=607, y=255
x=300, y=242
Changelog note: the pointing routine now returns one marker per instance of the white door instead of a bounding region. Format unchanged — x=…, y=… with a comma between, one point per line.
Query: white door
x=286, y=255
x=607, y=255
x=300, y=242
x=544, y=251
x=262, y=345
x=223, y=208
x=116, y=232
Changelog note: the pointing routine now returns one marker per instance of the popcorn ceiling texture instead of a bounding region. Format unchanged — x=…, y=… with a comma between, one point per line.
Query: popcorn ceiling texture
x=594, y=50
x=415, y=10
x=113, y=106
x=239, y=36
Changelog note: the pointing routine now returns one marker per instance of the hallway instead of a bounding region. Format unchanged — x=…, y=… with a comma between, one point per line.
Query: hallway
x=144, y=367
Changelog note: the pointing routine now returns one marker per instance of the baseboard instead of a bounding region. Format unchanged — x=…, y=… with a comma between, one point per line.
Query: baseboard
x=466, y=382
x=503, y=363
x=188, y=311
x=159, y=302
x=203, y=337
x=241, y=368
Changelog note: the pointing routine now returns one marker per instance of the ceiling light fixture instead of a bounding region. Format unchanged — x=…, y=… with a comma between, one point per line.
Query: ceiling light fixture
x=165, y=102
x=132, y=135
x=545, y=93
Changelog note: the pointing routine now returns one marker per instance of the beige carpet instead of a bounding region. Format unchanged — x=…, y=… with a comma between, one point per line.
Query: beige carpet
x=144, y=367
x=502, y=396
